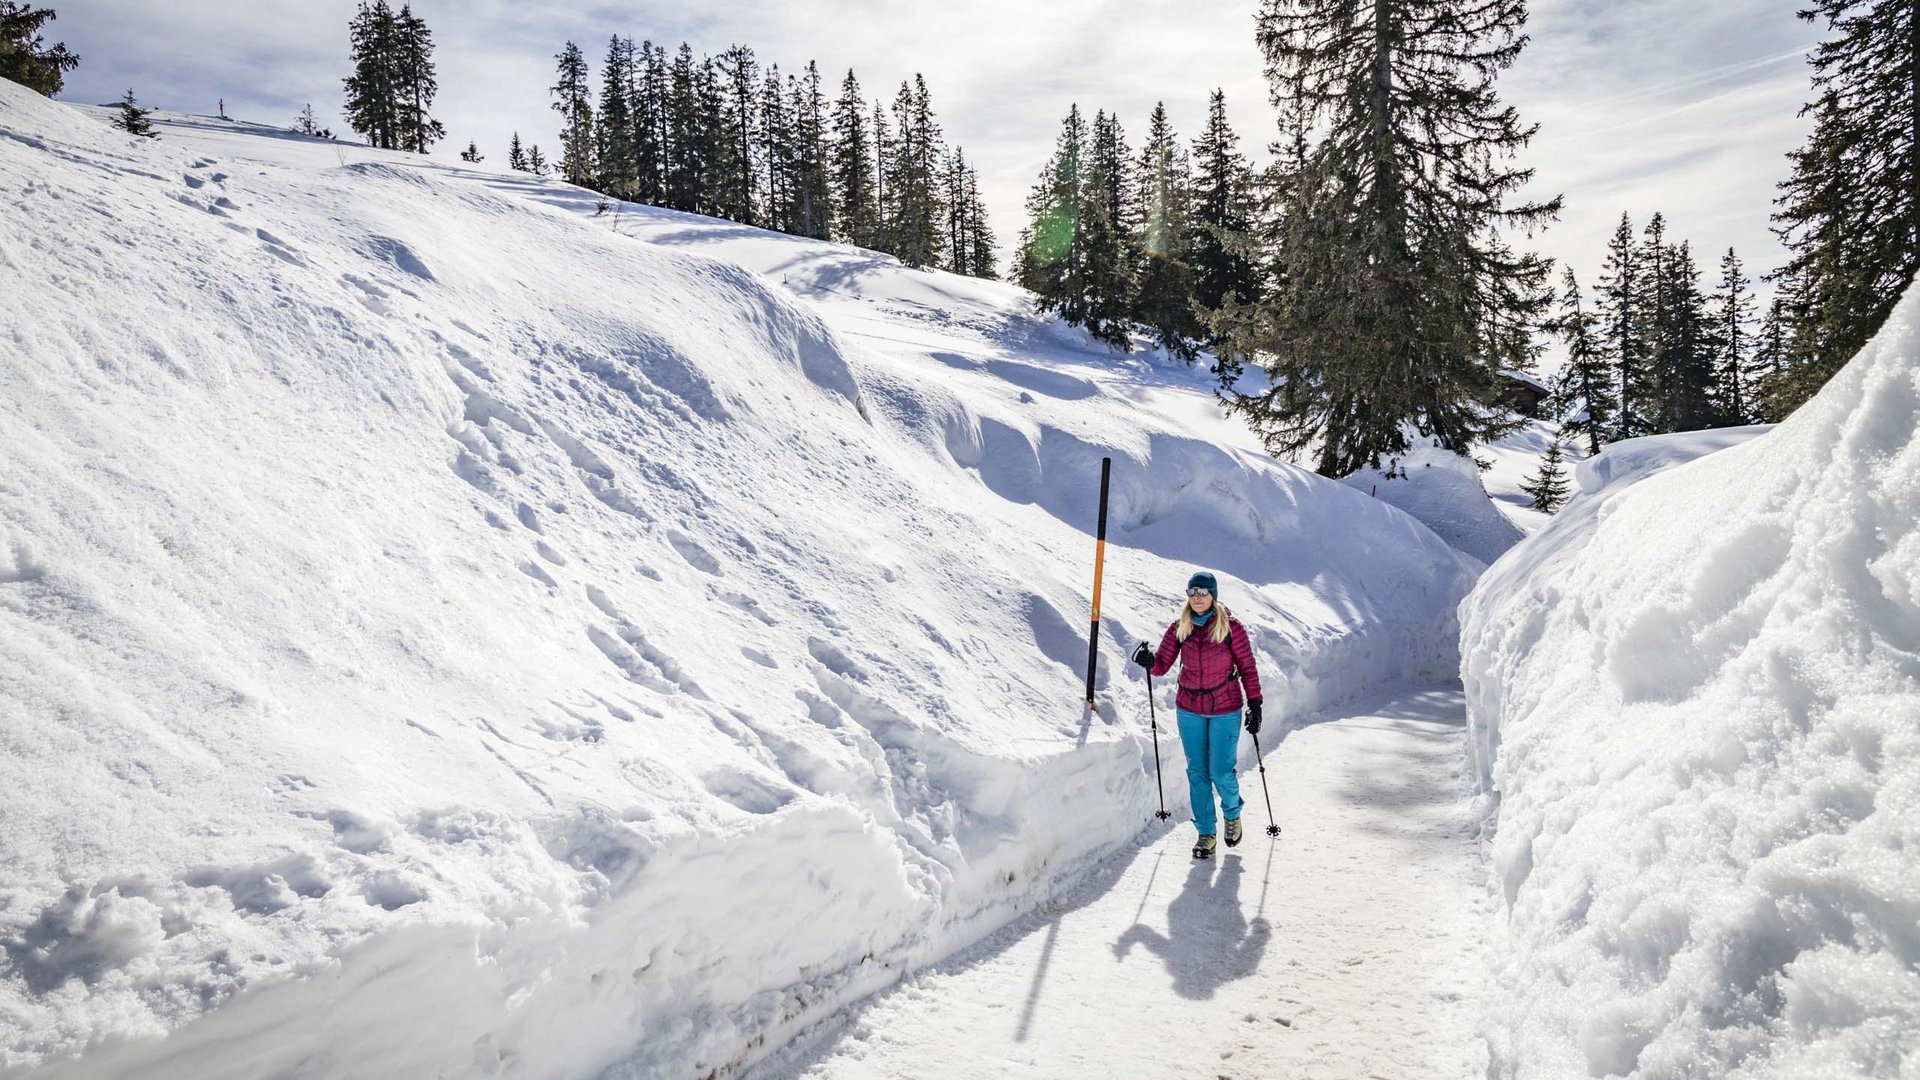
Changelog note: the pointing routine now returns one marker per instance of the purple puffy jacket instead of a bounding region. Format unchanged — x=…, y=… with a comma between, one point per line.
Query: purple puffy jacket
x=1211, y=674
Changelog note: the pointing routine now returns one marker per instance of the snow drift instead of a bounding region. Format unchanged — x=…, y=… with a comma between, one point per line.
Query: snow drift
x=1696, y=695
x=445, y=633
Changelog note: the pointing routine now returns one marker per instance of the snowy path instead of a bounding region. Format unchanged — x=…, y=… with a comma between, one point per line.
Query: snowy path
x=1350, y=948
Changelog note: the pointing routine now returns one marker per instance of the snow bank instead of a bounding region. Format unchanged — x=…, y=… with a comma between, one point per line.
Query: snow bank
x=445, y=633
x=1696, y=695
x=1444, y=491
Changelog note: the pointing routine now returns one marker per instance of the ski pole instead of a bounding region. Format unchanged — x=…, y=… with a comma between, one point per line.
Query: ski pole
x=1273, y=828
x=1163, y=813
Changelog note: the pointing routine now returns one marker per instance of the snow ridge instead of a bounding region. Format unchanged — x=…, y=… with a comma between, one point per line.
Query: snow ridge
x=1696, y=696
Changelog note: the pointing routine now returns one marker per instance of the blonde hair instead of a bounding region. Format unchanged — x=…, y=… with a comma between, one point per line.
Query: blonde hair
x=1217, y=629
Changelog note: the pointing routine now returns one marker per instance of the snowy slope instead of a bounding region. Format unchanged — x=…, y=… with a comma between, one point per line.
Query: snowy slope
x=446, y=633
x=1445, y=492
x=1696, y=694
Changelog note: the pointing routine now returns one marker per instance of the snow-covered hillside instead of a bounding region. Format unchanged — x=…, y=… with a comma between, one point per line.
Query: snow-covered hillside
x=445, y=632
x=1696, y=695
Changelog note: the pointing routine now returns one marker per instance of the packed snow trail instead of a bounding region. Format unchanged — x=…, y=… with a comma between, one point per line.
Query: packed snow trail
x=1351, y=947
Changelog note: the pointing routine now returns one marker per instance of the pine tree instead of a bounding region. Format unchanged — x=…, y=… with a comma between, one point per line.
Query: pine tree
x=981, y=246
x=372, y=108
x=1585, y=391
x=1222, y=211
x=414, y=84
x=812, y=194
x=686, y=164
x=472, y=154
x=1402, y=305
x=1052, y=260
x=883, y=150
x=1688, y=354
x=1106, y=228
x=576, y=131
x=614, y=130
x=516, y=156
x=536, y=161
x=1623, y=330
x=1163, y=301
x=1850, y=213
x=133, y=119
x=852, y=168
x=776, y=152
x=739, y=123
x=1732, y=313
x=25, y=56
x=912, y=228
x=710, y=92
x=1548, y=487
x=649, y=114
x=1656, y=282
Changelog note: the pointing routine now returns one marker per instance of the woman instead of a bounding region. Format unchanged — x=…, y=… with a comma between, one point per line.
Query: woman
x=1216, y=661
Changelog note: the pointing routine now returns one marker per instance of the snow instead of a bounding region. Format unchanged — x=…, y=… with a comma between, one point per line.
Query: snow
x=1445, y=492
x=446, y=632
x=1516, y=460
x=1695, y=701
x=1350, y=947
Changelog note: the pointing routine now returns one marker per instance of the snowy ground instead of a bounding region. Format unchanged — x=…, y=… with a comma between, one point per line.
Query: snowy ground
x=1350, y=947
x=435, y=619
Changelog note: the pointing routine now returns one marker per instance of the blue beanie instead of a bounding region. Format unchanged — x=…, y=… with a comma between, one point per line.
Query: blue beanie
x=1203, y=580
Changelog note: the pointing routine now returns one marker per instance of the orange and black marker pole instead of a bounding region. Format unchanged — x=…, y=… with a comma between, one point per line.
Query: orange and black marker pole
x=1099, y=564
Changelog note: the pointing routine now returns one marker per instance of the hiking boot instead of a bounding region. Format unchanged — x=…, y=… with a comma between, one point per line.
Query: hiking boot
x=1204, y=848
x=1233, y=831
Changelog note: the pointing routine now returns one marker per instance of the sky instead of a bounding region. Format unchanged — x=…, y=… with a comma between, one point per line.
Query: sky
x=1676, y=106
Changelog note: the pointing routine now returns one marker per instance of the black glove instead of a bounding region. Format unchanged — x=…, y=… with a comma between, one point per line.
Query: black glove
x=1253, y=717
x=1143, y=656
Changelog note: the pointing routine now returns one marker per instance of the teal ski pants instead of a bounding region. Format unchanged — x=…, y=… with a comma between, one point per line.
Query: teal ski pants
x=1212, y=744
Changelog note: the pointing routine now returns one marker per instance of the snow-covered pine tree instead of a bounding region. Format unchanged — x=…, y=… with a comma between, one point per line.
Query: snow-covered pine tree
x=1585, y=390
x=1402, y=306
x=614, y=128
x=1222, y=211
x=472, y=154
x=132, y=119
x=732, y=171
x=517, y=155
x=1849, y=214
x=576, y=116
x=913, y=228
x=1163, y=299
x=1051, y=262
x=648, y=110
x=372, y=108
x=25, y=57
x=1731, y=315
x=1548, y=487
x=812, y=196
x=1107, y=231
x=1623, y=330
x=852, y=167
x=415, y=84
